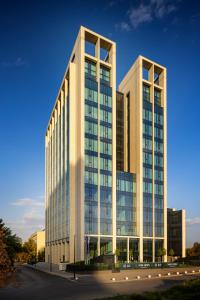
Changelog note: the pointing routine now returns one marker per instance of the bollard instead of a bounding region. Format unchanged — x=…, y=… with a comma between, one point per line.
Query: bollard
x=138, y=277
x=185, y=272
x=177, y=273
x=168, y=274
x=126, y=278
x=159, y=275
x=149, y=276
x=193, y=271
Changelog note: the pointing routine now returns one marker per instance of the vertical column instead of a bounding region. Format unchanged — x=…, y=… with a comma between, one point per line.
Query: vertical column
x=113, y=85
x=153, y=179
x=61, y=165
x=140, y=171
x=165, y=156
x=97, y=54
x=66, y=197
x=128, y=249
x=72, y=156
x=183, y=234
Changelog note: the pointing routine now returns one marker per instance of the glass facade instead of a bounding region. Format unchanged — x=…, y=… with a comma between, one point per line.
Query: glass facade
x=147, y=250
x=158, y=166
x=158, y=245
x=147, y=164
x=105, y=246
x=121, y=246
x=98, y=165
x=91, y=150
x=105, y=157
x=133, y=249
x=126, y=204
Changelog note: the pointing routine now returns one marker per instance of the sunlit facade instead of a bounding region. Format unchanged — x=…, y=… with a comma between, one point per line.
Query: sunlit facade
x=106, y=158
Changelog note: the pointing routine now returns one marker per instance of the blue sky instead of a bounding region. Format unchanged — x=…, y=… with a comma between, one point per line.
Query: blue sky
x=36, y=39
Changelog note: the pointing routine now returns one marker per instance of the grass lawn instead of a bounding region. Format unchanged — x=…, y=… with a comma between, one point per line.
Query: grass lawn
x=189, y=290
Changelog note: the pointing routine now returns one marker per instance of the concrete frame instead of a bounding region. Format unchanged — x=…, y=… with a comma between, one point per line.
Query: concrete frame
x=132, y=83
x=59, y=242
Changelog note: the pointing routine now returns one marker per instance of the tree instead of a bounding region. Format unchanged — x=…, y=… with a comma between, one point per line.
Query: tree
x=41, y=255
x=171, y=253
x=161, y=252
x=30, y=248
x=194, y=251
x=12, y=242
x=5, y=262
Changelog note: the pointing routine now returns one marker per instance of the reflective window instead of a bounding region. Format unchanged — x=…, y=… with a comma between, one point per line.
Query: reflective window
x=158, y=160
x=91, y=161
x=158, y=189
x=106, y=116
x=105, y=246
x=91, y=95
x=157, y=97
x=106, y=164
x=147, y=144
x=147, y=187
x=126, y=204
x=106, y=148
x=91, y=177
x=121, y=245
x=105, y=132
x=146, y=92
x=158, y=132
x=106, y=100
x=91, y=128
x=147, y=129
x=90, y=68
x=147, y=250
x=158, y=175
x=91, y=111
x=147, y=115
x=147, y=158
x=106, y=180
x=158, y=118
x=105, y=74
x=147, y=173
x=158, y=147
x=91, y=144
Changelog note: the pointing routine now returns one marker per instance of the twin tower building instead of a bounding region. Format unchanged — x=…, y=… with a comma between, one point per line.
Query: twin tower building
x=106, y=158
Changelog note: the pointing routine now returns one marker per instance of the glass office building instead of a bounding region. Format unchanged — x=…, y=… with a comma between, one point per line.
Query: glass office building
x=105, y=185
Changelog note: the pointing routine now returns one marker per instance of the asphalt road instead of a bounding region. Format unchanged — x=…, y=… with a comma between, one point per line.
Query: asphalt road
x=30, y=284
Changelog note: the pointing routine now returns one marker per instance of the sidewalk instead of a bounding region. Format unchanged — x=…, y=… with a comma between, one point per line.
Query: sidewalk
x=107, y=276
x=45, y=267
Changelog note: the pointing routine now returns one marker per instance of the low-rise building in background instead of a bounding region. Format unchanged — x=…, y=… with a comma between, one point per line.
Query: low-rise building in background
x=39, y=239
x=176, y=232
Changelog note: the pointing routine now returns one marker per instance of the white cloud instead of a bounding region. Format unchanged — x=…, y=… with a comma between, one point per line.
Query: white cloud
x=27, y=202
x=18, y=62
x=193, y=221
x=141, y=14
x=146, y=12
x=28, y=223
x=123, y=26
x=29, y=216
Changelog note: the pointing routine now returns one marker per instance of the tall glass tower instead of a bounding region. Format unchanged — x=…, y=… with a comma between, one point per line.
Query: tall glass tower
x=106, y=158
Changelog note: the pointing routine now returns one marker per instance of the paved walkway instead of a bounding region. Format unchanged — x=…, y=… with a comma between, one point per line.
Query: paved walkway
x=130, y=275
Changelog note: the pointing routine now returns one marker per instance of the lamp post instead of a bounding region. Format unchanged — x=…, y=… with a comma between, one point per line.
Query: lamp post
x=50, y=264
x=74, y=258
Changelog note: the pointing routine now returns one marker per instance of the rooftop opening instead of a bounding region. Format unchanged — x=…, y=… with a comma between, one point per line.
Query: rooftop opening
x=105, y=50
x=157, y=72
x=90, y=43
x=145, y=70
